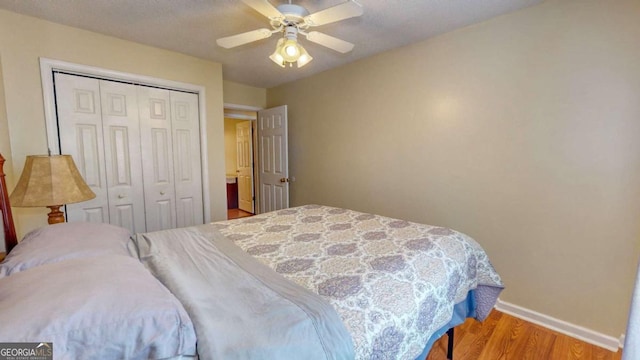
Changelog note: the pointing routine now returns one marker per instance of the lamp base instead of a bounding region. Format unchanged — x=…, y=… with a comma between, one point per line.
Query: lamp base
x=55, y=215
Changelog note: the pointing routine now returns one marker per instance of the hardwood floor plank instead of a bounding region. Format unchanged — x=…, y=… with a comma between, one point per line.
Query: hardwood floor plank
x=562, y=349
x=471, y=347
x=472, y=327
x=604, y=354
x=237, y=213
x=538, y=344
x=520, y=335
x=515, y=335
x=438, y=351
x=504, y=337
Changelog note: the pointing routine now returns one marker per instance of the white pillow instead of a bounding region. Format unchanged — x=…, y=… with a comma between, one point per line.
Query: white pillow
x=103, y=307
x=54, y=243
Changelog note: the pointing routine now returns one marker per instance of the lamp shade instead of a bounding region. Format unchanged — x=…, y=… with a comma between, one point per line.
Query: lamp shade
x=50, y=180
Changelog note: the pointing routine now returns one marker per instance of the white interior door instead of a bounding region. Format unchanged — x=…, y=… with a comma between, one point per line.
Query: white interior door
x=123, y=162
x=157, y=165
x=274, y=160
x=80, y=134
x=186, y=154
x=244, y=146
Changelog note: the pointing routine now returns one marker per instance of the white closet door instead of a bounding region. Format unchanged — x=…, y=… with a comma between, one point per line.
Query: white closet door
x=186, y=154
x=121, y=127
x=157, y=163
x=80, y=124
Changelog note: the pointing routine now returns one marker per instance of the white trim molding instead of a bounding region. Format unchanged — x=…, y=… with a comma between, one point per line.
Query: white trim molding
x=48, y=66
x=561, y=326
x=241, y=107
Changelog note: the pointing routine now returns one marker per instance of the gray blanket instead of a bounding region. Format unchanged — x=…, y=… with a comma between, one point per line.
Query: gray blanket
x=240, y=308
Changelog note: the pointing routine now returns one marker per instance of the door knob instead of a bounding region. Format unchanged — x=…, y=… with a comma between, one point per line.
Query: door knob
x=162, y=193
x=283, y=180
x=122, y=196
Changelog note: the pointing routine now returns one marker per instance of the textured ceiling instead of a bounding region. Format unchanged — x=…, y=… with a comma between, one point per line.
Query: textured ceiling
x=192, y=26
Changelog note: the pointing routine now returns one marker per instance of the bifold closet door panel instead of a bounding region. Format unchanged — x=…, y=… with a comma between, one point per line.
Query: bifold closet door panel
x=186, y=154
x=123, y=158
x=81, y=136
x=157, y=157
x=137, y=147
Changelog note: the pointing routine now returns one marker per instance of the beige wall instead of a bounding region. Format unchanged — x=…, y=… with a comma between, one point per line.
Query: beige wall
x=24, y=39
x=240, y=94
x=523, y=132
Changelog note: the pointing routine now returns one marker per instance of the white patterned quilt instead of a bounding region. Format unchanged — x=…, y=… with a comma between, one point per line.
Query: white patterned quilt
x=392, y=282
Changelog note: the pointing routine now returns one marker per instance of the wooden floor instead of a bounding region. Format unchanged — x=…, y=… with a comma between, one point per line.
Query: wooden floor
x=237, y=213
x=502, y=336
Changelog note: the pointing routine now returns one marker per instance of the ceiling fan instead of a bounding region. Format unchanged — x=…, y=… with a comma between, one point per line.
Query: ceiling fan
x=291, y=20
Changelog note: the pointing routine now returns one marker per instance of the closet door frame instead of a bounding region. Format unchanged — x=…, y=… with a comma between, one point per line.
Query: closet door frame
x=49, y=66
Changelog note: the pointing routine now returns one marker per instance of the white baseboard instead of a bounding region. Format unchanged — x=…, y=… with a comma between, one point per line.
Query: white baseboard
x=575, y=331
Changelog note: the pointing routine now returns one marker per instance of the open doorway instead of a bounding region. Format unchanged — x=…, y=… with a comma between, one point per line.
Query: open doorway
x=240, y=155
x=260, y=182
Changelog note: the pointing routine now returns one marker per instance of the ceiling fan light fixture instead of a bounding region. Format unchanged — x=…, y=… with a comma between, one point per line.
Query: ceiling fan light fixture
x=276, y=57
x=292, y=19
x=290, y=50
x=304, y=57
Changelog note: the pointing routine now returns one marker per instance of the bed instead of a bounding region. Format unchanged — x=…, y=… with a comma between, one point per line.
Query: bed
x=312, y=282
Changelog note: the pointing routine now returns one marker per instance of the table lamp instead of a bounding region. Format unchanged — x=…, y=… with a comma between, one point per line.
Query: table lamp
x=51, y=181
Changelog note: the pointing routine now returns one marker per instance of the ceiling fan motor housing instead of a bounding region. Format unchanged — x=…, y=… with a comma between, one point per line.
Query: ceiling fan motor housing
x=291, y=32
x=293, y=14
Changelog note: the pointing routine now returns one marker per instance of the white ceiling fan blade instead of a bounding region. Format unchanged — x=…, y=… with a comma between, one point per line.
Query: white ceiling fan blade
x=330, y=41
x=343, y=11
x=265, y=8
x=244, y=38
